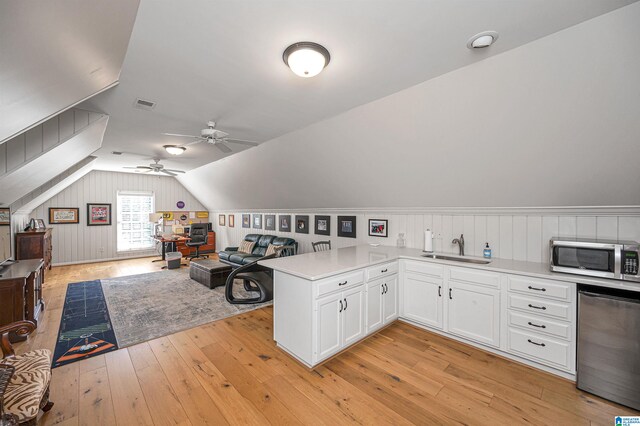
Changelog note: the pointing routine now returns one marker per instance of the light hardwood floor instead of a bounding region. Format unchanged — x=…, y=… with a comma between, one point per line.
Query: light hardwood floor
x=230, y=372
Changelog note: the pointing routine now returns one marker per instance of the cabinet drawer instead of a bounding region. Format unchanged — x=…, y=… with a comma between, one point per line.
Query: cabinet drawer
x=540, y=306
x=540, y=349
x=475, y=277
x=382, y=270
x=540, y=325
x=425, y=268
x=540, y=288
x=339, y=282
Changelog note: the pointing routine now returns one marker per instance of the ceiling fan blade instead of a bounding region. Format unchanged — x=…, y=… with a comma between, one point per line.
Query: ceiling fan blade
x=194, y=142
x=174, y=170
x=166, y=172
x=148, y=171
x=129, y=167
x=181, y=136
x=222, y=147
x=241, y=142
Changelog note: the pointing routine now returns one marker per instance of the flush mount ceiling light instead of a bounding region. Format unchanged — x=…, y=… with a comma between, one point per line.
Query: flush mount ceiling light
x=483, y=39
x=306, y=59
x=174, y=149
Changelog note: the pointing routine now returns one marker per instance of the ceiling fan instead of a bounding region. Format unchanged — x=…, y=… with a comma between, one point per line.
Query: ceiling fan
x=215, y=137
x=156, y=168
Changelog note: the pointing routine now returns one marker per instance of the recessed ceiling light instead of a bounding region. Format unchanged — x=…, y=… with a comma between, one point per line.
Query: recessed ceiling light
x=174, y=149
x=306, y=59
x=483, y=39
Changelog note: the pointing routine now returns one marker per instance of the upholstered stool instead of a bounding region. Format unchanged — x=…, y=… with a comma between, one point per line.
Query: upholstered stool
x=28, y=390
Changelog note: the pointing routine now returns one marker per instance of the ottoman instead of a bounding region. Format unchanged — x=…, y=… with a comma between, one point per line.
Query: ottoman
x=211, y=273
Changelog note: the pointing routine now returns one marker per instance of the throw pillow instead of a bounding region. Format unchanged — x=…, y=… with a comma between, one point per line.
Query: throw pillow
x=270, y=250
x=246, y=247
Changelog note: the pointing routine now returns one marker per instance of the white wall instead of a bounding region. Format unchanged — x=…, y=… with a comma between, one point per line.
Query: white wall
x=518, y=235
x=552, y=123
x=79, y=243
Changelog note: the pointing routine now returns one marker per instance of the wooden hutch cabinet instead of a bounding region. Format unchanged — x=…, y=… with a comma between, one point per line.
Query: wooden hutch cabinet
x=34, y=245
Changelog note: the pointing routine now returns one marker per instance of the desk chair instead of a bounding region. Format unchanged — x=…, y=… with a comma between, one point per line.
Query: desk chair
x=199, y=236
x=321, y=246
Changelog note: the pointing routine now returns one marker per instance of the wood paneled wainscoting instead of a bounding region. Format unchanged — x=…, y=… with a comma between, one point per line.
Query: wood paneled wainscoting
x=230, y=372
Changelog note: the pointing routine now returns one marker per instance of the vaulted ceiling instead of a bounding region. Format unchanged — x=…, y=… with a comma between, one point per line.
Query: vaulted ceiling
x=222, y=60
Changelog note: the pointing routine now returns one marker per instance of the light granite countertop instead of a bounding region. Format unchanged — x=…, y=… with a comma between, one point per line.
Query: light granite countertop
x=316, y=266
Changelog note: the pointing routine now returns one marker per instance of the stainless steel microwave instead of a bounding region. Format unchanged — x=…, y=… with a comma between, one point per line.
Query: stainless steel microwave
x=597, y=258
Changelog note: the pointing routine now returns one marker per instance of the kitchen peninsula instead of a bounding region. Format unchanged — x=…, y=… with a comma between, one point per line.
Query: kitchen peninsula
x=325, y=302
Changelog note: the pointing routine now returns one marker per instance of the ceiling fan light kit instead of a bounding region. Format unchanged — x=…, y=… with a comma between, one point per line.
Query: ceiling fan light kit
x=174, y=149
x=306, y=59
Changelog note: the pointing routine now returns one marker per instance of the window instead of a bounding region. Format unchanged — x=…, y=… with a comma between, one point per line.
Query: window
x=134, y=228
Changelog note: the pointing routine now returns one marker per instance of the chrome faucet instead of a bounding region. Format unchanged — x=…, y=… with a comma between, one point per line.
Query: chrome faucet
x=460, y=242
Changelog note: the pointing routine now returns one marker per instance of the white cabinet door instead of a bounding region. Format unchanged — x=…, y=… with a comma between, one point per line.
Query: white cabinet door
x=374, y=305
x=474, y=312
x=329, y=325
x=390, y=299
x=423, y=299
x=353, y=326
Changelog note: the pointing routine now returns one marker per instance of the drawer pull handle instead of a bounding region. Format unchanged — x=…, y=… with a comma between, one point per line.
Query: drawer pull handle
x=536, y=325
x=341, y=307
x=383, y=271
x=343, y=283
x=345, y=304
x=536, y=343
x=537, y=288
x=439, y=291
x=544, y=308
x=450, y=295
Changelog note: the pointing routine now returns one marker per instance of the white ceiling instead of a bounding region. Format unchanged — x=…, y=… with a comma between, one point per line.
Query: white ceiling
x=222, y=60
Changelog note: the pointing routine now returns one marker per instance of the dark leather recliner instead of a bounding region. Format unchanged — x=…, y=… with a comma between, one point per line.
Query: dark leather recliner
x=231, y=256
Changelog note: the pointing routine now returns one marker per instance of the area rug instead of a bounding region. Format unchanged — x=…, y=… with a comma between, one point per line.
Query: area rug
x=85, y=327
x=104, y=315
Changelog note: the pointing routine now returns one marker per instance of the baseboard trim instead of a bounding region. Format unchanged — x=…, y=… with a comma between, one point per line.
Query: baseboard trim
x=109, y=259
x=525, y=211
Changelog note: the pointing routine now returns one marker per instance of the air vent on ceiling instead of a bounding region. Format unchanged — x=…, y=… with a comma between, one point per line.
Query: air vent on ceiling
x=144, y=104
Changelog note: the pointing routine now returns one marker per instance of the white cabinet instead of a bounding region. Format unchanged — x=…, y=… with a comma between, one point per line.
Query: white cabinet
x=339, y=321
x=422, y=299
x=382, y=302
x=390, y=299
x=474, y=312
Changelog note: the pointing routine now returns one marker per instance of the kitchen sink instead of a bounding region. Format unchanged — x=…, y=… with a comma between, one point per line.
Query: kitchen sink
x=457, y=259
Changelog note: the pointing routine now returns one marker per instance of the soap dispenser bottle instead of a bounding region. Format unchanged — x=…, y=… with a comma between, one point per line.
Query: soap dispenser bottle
x=487, y=251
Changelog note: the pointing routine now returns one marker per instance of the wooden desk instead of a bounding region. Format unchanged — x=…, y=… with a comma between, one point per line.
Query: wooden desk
x=210, y=247
x=169, y=240
x=21, y=291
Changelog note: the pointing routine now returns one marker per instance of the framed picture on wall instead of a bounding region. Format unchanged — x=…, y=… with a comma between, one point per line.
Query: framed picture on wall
x=232, y=220
x=246, y=221
x=285, y=223
x=99, y=214
x=323, y=225
x=270, y=222
x=378, y=228
x=60, y=215
x=347, y=226
x=302, y=224
x=221, y=219
x=5, y=216
x=257, y=221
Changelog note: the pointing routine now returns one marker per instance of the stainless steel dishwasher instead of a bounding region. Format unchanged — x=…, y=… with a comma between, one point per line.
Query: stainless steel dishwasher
x=609, y=344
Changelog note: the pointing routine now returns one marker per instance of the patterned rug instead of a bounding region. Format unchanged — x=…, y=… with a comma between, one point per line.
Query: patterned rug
x=104, y=315
x=147, y=306
x=85, y=327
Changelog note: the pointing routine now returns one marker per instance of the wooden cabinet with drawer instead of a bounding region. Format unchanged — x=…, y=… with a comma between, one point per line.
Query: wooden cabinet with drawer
x=35, y=245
